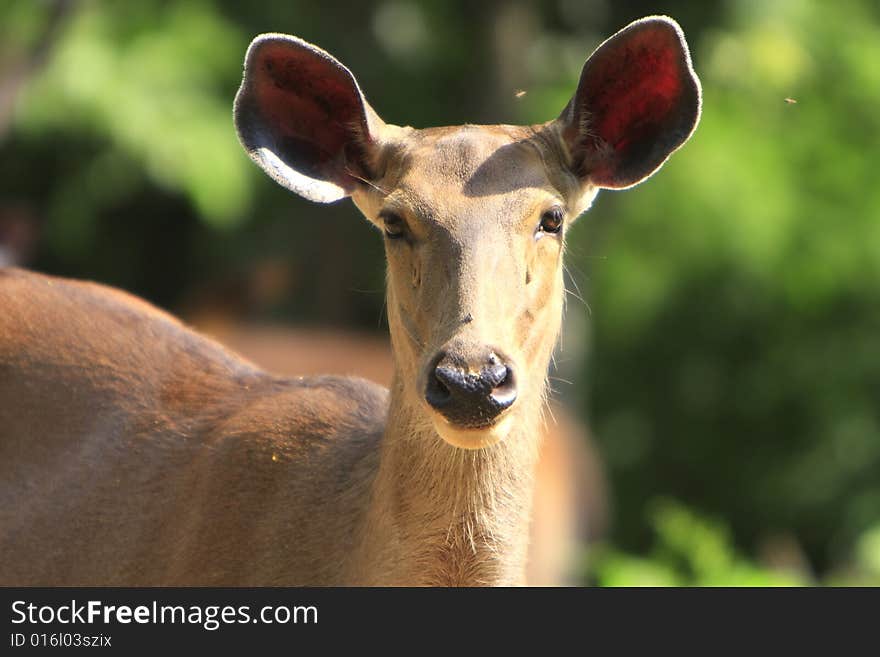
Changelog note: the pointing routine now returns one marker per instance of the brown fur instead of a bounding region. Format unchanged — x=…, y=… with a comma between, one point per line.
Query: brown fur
x=134, y=451
x=175, y=462
x=156, y=412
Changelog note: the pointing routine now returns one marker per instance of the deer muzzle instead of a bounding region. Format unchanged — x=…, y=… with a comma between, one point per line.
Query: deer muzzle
x=470, y=394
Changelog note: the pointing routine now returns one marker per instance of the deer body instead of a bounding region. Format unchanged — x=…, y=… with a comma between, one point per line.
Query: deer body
x=134, y=451
x=176, y=462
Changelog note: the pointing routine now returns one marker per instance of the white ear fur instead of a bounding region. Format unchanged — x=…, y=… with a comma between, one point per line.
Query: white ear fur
x=299, y=136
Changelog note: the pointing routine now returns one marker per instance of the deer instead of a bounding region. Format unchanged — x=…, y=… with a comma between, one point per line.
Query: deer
x=134, y=451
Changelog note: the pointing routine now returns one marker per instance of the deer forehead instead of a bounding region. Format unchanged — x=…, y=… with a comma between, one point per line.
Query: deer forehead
x=471, y=175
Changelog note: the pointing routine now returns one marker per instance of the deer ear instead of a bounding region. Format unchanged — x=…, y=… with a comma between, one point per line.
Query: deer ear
x=301, y=116
x=637, y=101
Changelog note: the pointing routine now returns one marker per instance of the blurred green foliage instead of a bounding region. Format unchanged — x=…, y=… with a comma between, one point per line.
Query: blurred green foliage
x=689, y=551
x=737, y=315
x=117, y=75
x=734, y=360
x=693, y=550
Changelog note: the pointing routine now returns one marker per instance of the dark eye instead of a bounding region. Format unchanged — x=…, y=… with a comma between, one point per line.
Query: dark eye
x=395, y=227
x=551, y=220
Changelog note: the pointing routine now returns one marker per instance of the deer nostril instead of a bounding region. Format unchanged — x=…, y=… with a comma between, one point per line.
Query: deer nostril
x=438, y=393
x=495, y=374
x=504, y=392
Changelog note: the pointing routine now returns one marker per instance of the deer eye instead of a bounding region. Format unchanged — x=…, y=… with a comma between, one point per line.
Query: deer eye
x=395, y=226
x=551, y=220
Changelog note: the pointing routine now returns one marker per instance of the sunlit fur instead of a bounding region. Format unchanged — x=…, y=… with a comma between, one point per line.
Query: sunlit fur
x=134, y=451
x=472, y=199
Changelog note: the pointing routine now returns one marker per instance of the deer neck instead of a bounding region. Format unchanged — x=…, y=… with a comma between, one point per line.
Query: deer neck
x=444, y=515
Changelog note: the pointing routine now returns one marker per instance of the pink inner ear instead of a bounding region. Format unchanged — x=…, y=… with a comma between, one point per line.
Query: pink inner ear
x=638, y=93
x=631, y=100
x=307, y=100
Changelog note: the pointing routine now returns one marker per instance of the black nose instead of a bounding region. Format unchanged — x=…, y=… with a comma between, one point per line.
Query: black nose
x=470, y=400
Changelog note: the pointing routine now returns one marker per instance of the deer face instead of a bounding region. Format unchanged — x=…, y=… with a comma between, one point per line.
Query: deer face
x=474, y=217
x=474, y=223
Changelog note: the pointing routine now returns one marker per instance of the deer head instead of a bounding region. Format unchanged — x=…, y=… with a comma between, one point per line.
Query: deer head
x=474, y=217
